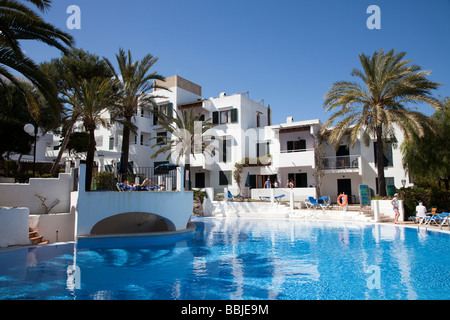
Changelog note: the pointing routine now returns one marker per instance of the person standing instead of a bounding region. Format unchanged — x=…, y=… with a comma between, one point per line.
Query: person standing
x=395, y=207
x=267, y=185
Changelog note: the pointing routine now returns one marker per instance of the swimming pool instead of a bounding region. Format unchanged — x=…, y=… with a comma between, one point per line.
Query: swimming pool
x=240, y=259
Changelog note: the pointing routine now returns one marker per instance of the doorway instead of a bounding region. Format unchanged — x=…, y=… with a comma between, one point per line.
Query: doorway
x=199, y=179
x=345, y=186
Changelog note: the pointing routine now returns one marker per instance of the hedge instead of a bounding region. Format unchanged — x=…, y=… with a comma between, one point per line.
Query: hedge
x=430, y=197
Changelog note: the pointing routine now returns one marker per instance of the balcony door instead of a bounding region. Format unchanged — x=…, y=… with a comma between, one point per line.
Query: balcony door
x=342, y=157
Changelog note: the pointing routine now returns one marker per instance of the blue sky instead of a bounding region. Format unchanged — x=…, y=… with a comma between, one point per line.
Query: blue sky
x=286, y=52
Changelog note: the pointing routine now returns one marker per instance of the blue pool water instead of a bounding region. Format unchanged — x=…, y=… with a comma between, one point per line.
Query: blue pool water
x=240, y=259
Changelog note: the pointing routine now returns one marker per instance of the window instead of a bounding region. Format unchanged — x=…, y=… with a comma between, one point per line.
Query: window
x=142, y=139
x=262, y=149
x=161, y=137
x=389, y=181
x=225, y=116
x=297, y=145
x=166, y=109
x=224, y=178
x=225, y=150
x=387, y=154
x=300, y=179
x=111, y=143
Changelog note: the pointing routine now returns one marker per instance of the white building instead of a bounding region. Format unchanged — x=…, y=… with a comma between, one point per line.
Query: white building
x=244, y=130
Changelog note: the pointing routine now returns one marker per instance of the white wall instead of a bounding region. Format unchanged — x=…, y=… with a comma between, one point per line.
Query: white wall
x=14, y=227
x=95, y=206
x=23, y=194
x=54, y=227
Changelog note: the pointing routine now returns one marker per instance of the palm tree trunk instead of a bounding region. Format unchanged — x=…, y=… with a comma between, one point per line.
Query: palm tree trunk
x=380, y=162
x=90, y=159
x=125, y=148
x=62, y=149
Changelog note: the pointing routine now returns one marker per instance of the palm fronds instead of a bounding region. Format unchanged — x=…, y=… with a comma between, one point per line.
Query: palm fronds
x=387, y=85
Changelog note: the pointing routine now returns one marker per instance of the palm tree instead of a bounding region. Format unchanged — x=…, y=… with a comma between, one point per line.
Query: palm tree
x=19, y=22
x=187, y=136
x=389, y=83
x=136, y=81
x=66, y=72
x=91, y=99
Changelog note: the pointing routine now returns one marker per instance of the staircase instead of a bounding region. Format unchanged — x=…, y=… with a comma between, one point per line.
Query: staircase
x=35, y=238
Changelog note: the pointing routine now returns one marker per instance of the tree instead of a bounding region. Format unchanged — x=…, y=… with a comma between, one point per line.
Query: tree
x=65, y=72
x=19, y=22
x=15, y=113
x=427, y=158
x=187, y=136
x=136, y=82
x=91, y=98
x=389, y=83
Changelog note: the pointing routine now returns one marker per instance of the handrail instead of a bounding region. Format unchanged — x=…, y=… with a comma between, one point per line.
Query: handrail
x=342, y=162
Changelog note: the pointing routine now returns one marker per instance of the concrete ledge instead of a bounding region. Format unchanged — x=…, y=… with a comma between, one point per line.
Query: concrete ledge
x=137, y=238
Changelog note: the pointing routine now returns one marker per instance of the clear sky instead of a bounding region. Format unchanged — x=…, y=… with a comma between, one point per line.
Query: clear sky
x=287, y=52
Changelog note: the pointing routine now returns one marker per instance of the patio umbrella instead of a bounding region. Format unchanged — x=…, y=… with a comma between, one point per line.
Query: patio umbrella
x=247, y=181
x=248, y=184
x=166, y=166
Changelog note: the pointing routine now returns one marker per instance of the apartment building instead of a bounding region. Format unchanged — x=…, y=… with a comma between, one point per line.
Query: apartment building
x=244, y=132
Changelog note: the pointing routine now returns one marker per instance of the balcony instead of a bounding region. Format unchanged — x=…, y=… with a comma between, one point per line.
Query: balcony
x=351, y=162
x=295, y=158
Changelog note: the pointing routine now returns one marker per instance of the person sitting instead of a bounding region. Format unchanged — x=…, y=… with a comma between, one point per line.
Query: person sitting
x=127, y=184
x=148, y=183
x=421, y=211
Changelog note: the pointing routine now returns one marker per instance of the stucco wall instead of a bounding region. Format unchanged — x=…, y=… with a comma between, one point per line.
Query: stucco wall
x=94, y=206
x=54, y=227
x=24, y=194
x=13, y=227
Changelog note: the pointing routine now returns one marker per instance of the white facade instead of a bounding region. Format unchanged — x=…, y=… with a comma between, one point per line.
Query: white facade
x=244, y=130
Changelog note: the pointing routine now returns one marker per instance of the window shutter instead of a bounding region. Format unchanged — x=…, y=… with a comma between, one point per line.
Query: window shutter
x=155, y=117
x=170, y=109
x=215, y=117
x=234, y=115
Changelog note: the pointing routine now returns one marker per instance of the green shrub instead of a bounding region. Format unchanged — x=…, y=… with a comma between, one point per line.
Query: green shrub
x=105, y=180
x=431, y=198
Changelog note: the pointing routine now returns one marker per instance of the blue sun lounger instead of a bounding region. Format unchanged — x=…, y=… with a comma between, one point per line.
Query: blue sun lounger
x=230, y=196
x=312, y=203
x=123, y=187
x=277, y=198
x=324, y=202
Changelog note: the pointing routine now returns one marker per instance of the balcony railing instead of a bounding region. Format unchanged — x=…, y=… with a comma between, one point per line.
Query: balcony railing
x=341, y=162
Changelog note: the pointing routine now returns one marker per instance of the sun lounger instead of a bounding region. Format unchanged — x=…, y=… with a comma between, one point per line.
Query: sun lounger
x=436, y=219
x=230, y=196
x=277, y=198
x=312, y=203
x=123, y=187
x=324, y=202
x=445, y=219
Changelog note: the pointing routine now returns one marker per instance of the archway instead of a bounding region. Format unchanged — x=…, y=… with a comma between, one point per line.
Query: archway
x=132, y=222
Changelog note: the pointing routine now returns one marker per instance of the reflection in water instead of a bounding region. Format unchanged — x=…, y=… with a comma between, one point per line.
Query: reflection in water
x=240, y=259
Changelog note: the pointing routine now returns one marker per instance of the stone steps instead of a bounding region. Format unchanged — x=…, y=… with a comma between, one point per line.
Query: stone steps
x=35, y=238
